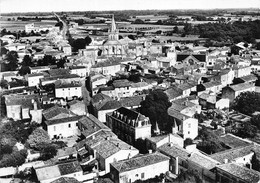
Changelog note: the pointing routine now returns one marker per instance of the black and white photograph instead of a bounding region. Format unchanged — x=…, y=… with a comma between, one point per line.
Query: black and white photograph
x=130, y=91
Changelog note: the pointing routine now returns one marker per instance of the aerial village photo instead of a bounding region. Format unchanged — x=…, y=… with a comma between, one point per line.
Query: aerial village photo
x=130, y=91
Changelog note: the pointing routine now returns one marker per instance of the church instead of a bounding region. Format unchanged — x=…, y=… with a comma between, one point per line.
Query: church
x=112, y=46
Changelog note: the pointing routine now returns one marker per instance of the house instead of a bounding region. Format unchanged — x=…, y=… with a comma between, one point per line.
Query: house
x=108, y=67
x=77, y=107
x=62, y=127
x=90, y=125
x=34, y=79
x=81, y=71
x=186, y=126
x=142, y=167
x=241, y=71
x=211, y=101
x=8, y=75
x=109, y=150
x=186, y=107
x=105, y=107
x=56, y=112
x=174, y=93
x=94, y=81
x=129, y=125
x=155, y=142
x=133, y=102
x=68, y=90
x=15, y=46
x=23, y=107
x=187, y=88
x=60, y=79
x=231, y=92
x=65, y=180
x=232, y=172
x=66, y=153
x=47, y=174
x=210, y=87
x=241, y=155
x=39, y=69
x=247, y=79
x=226, y=77
x=178, y=157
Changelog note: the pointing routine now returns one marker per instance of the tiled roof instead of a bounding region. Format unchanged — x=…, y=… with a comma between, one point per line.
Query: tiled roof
x=199, y=57
x=211, y=84
x=241, y=86
x=56, y=111
x=112, y=104
x=249, y=78
x=68, y=168
x=173, y=93
x=48, y=172
x=176, y=114
x=233, y=141
x=69, y=76
x=121, y=83
x=104, y=180
x=25, y=101
x=98, y=137
x=203, y=160
x=107, y=148
x=66, y=151
x=232, y=154
x=174, y=150
x=100, y=97
x=63, y=120
x=68, y=85
x=66, y=180
x=131, y=101
x=243, y=173
x=131, y=114
x=157, y=139
x=92, y=125
x=185, y=86
x=179, y=106
x=56, y=72
x=139, y=162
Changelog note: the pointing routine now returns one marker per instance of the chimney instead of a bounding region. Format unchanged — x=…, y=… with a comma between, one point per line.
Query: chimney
x=150, y=151
x=87, y=114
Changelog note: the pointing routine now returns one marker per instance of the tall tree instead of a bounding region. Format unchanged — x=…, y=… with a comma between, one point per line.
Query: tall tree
x=155, y=107
x=37, y=138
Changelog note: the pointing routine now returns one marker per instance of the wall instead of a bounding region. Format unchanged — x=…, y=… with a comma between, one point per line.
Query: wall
x=190, y=128
x=68, y=92
x=102, y=115
x=63, y=129
x=14, y=111
x=34, y=81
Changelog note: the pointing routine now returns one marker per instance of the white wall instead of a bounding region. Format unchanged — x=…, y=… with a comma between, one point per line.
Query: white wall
x=63, y=129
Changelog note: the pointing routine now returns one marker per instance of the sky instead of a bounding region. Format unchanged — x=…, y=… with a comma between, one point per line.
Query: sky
x=8, y=6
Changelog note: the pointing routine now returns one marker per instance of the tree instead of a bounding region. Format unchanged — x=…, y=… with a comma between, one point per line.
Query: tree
x=247, y=131
x=188, y=141
x=155, y=107
x=247, y=103
x=11, y=61
x=27, y=61
x=88, y=40
x=24, y=70
x=258, y=46
x=176, y=30
x=38, y=138
x=48, y=151
x=14, y=159
x=210, y=142
x=255, y=120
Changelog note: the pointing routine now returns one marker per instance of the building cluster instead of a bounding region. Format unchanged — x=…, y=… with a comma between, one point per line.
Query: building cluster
x=93, y=98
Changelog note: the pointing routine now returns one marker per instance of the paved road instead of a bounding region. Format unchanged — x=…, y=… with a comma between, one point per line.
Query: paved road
x=64, y=27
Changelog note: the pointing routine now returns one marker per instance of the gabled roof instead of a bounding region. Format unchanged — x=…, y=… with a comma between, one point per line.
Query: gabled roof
x=139, y=162
x=100, y=97
x=56, y=72
x=107, y=148
x=211, y=84
x=111, y=104
x=55, y=111
x=232, y=154
x=121, y=83
x=241, y=86
x=173, y=93
x=233, y=141
x=177, y=115
x=179, y=106
x=174, y=150
x=66, y=180
x=63, y=120
x=69, y=168
x=203, y=160
x=92, y=125
x=131, y=101
x=249, y=78
x=241, y=172
x=199, y=57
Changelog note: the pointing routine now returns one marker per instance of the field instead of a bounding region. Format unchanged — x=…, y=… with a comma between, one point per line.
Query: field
x=19, y=25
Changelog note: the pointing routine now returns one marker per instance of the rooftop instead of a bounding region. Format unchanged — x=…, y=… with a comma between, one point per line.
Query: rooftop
x=63, y=120
x=243, y=173
x=139, y=162
x=241, y=86
x=233, y=141
x=174, y=150
x=56, y=112
x=203, y=160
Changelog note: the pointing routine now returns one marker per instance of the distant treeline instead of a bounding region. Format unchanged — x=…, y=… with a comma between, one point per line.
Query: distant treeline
x=235, y=32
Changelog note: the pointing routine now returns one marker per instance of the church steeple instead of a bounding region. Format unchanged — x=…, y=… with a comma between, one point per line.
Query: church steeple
x=113, y=24
x=113, y=32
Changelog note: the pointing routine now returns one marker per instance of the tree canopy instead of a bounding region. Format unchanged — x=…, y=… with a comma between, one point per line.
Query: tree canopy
x=37, y=138
x=247, y=103
x=155, y=107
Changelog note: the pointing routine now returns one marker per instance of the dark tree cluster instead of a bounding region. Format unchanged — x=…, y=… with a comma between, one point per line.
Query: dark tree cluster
x=235, y=32
x=155, y=107
x=80, y=43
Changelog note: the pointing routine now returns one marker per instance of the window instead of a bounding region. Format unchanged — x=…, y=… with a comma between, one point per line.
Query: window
x=142, y=175
x=189, y=125
x=76, y=124
x=54, y=128
x=69, y=125
x=188, y=132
